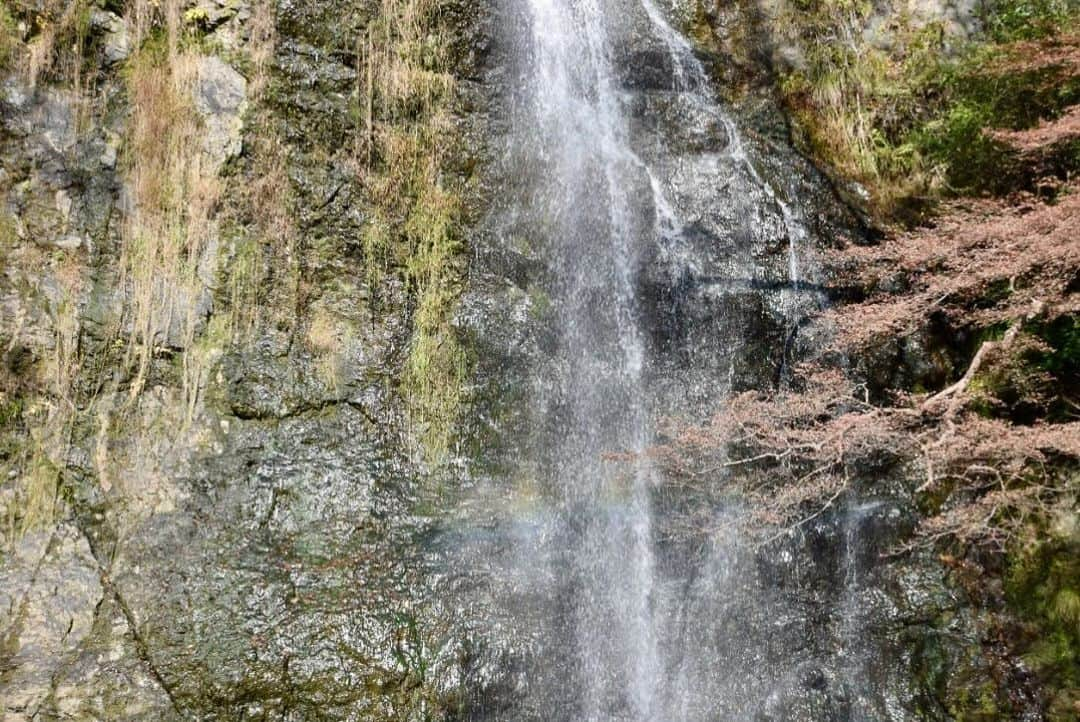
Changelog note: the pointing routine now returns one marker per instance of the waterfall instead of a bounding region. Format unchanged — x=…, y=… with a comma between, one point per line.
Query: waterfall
x=616, y=154
x=582, y=137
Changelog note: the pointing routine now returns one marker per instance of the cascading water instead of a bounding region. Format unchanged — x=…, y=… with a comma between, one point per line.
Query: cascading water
x=590, y=170
x=626, y=177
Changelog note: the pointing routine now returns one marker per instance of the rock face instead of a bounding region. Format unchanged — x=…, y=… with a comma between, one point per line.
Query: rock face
x=238, y=525
x=116, y=40
x=240, y=537
x=51, y=587
x=219, y=96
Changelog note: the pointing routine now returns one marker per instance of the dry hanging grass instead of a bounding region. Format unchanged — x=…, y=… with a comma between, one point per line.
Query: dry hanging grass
x=404, y=95
x=174, y=195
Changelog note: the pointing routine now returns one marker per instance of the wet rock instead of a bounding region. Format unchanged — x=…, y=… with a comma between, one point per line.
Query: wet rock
x=812, y=695
x=645, y=70
x=261, y=549
x=49, y=588
x=265, y=382
x=315, y=95
x=69, y=242
x=288, y=569
x=688, y=126
x=924, y=360
x=54, y=121
x=209, y=14
x=107, y=678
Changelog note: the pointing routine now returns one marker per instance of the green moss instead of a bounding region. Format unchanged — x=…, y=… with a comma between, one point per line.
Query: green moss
x=539, y=302
x=975, y=704
x=1043, y=590
x=9, y=38
x=954, y=677
x=987, y=386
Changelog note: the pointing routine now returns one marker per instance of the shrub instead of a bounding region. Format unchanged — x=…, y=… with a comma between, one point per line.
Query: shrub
x=910, y=122
x=1008, y=20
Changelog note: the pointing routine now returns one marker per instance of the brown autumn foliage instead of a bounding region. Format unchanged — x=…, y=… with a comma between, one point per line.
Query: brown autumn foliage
x=985, y=261
x=1048, y=133
x=1061, y=51
x=791, y=454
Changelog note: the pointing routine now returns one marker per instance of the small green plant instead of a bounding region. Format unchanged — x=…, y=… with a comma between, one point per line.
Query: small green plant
x=11, y=430
x=436, y=367
x=1058, y=357
x=1062, y=337
x=957, y=141
x=241, y=267
x=195, y=16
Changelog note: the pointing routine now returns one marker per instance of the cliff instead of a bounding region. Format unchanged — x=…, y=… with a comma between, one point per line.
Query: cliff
x=272, y=325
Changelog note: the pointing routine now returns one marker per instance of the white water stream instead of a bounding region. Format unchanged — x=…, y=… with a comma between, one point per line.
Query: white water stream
x=600, y=200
